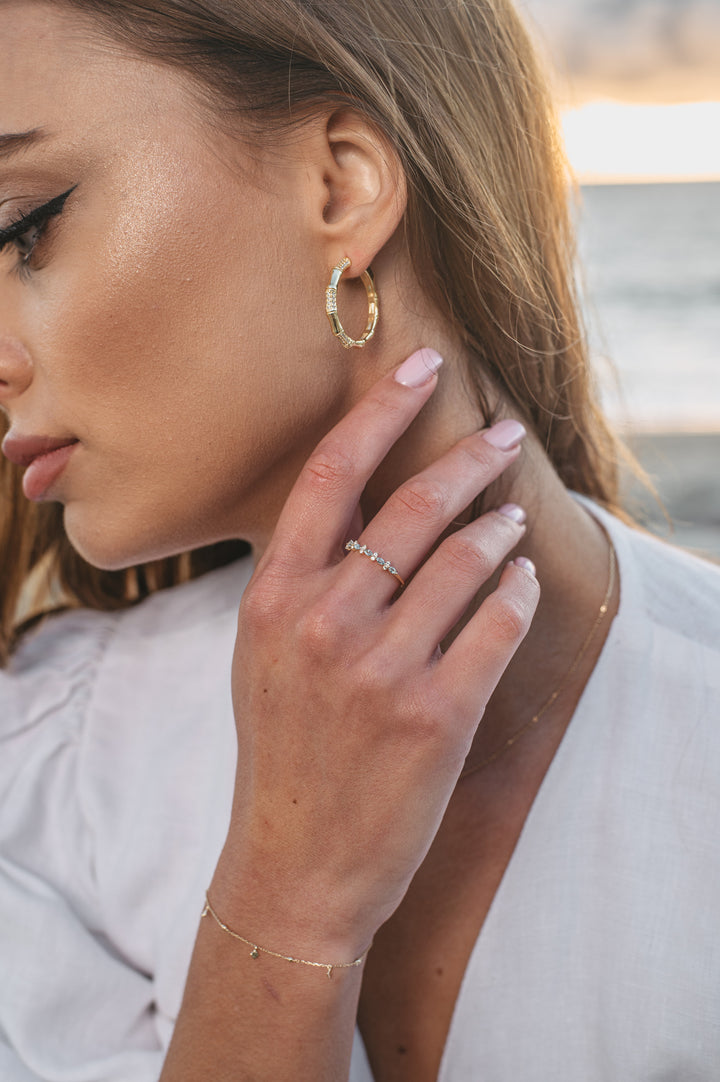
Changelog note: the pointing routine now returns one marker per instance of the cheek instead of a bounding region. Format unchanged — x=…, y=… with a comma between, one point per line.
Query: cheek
x=189, y=371
x=181, y=318
x=137, y=321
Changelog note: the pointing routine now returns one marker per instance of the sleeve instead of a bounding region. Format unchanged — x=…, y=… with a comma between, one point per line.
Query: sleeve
x=72, y=1009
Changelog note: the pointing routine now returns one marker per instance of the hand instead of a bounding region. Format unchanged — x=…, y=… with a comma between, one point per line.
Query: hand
x=352, y=726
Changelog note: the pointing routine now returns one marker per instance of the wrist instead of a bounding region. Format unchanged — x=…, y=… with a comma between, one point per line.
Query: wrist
x=256, y=949
x=300, y=917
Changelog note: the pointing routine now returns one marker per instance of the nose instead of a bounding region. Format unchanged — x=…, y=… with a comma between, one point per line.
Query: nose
x=16, y=369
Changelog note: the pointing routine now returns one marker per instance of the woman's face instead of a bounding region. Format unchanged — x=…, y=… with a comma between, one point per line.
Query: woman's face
x=171, y=318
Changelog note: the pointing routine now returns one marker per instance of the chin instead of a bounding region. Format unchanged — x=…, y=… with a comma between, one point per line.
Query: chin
x=116, y=545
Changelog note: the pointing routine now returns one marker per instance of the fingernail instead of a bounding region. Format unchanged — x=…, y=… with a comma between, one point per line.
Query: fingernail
x=419, y=368
x=505, y=435
x=522, y=561
x=513, y=511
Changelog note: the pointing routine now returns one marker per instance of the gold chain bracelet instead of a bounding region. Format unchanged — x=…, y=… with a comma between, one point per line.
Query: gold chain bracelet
x=257, y=950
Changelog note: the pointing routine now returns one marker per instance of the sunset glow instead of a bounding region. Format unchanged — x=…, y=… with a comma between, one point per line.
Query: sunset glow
x=614, y=142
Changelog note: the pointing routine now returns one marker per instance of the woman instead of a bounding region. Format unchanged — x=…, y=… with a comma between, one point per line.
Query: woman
x=178, y=182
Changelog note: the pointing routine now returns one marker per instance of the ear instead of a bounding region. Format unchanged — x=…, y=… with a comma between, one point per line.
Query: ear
x=360, y=190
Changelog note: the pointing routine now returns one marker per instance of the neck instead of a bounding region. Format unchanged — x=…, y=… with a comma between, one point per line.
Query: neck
x=568, y=547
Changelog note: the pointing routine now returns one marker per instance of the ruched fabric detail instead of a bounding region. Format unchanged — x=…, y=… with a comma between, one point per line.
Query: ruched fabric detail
x=105, y=719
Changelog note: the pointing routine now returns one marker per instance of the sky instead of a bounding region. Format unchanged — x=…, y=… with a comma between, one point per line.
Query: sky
x=639, y=85
x=635, y=50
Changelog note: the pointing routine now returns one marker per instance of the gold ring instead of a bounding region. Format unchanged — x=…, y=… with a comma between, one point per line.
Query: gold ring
x=355, y=546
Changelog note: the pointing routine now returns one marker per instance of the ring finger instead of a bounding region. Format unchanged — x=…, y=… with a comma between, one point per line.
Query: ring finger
x=402, y=533
x=446, y=584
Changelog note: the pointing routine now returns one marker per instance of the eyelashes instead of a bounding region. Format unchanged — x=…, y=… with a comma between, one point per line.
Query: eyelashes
x=27, y=230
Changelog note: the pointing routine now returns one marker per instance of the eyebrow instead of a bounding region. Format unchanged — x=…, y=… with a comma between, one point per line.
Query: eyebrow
x=14, y=142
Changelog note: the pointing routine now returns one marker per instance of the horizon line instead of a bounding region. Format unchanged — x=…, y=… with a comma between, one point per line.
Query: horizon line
x=650, y=178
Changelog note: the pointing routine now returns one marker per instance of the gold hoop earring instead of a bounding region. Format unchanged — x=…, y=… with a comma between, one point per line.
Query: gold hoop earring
x=331, y=306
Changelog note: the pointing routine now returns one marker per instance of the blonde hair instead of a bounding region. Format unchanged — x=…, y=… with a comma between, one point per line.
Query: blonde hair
x=457, y=90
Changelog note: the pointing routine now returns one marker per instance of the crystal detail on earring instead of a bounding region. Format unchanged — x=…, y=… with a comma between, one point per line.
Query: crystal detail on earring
x=331, y=306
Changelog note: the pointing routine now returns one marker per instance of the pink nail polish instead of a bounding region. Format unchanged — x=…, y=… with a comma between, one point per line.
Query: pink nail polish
x=505, y=435
x=522, y=561
x=513, y=511
x=419, y=368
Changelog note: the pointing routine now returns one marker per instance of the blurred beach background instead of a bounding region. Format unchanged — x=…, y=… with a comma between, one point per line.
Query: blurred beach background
x=638, y=83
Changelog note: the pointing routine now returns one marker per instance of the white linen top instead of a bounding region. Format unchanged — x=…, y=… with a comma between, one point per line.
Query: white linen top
x=599, y=959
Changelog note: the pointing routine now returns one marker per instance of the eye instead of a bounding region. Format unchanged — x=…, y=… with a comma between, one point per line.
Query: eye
x=25, y=242
x=26, y=232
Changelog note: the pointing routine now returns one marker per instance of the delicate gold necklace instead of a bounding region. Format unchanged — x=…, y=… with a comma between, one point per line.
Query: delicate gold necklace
x=558, y=690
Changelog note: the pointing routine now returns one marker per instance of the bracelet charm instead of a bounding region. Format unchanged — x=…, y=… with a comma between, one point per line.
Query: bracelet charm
x=257, y=950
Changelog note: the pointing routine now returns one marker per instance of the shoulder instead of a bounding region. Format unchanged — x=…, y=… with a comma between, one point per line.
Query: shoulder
x=663, y=587
x=680, y=591
x=650, y=751
x=116, y=759
x=81, y=668
x=95, y=705
x=61, y=658
x=658, y=686
x=168, y=664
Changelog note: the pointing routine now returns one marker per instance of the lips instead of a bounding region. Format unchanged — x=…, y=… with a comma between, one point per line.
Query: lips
x=44, y=459
x=22, y=451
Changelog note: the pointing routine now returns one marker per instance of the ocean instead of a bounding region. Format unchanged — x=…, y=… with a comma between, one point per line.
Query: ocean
x=651, y=258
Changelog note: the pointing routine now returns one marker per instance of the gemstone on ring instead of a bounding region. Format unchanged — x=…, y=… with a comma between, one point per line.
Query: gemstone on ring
x=355, y=546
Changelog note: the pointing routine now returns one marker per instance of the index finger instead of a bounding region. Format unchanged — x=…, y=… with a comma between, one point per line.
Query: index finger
x=322, y=501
